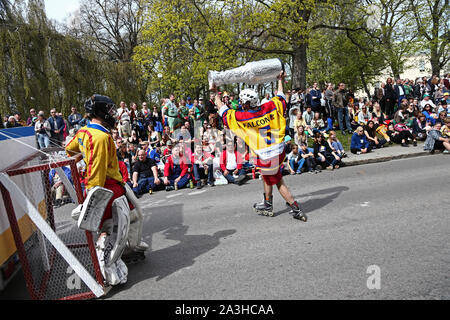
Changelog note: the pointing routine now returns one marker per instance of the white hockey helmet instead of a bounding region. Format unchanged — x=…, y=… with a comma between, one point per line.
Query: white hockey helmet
x=249, y=95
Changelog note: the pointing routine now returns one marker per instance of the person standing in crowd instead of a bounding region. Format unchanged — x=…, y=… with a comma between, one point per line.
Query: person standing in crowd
x=74, y=119
x=43, y=131
x=316, y=95
x=340, y=104
x=33, y=115
x=329, y=109
x=400, y=91
x=124, y=118
x=390, y=98
x=57, y=125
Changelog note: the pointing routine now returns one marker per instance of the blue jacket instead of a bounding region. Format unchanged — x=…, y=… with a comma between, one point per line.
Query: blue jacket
x=359, y=142
x=315, y=94
x=57, y=124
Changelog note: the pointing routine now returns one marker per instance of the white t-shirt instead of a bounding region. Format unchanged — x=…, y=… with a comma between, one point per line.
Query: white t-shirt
x=125, y=116
x=231, y=161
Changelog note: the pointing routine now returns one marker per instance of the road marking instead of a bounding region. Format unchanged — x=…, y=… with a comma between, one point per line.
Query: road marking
x=196, y=193
x=173, y=196
x=365, y=204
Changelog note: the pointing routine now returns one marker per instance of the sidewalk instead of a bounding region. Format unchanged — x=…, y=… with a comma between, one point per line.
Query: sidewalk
x=389, y=153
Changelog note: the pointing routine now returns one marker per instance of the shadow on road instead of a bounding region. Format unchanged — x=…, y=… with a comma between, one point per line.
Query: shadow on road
x=311, y=205
x=164, y=262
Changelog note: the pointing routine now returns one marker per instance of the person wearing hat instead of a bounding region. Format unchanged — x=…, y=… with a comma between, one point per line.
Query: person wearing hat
x=446, y=97
x=288, y=144
x=426, y=100
x=189, y=103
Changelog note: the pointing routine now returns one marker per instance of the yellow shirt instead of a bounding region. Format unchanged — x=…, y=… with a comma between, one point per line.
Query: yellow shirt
x=99, y=153
x=263, y=130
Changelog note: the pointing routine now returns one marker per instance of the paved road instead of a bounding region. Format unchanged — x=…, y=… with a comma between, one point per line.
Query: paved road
x=210, y=244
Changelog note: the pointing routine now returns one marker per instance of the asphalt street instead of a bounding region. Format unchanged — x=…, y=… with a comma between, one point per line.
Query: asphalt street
x=209, y=244
x=376, y=231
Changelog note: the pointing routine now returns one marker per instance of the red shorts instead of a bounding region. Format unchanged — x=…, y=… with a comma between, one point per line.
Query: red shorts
x=274, y=179
x=118, y=191
x=271, y=169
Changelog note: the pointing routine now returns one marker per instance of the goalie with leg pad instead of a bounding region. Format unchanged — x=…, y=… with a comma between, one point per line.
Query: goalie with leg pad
x=94, y=142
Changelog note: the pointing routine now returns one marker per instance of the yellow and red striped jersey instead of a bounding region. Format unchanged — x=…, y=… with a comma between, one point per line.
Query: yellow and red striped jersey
x=99, y=153
x=263, y=130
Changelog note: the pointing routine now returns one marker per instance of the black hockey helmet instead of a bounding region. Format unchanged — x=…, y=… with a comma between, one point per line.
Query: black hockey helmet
x=102, y=107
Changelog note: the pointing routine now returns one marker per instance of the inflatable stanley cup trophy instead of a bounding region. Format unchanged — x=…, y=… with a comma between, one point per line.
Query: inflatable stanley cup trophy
x=252, y=73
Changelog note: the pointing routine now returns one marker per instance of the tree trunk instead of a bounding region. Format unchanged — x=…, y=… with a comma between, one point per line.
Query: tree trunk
x=299, y=65
x=435, y=63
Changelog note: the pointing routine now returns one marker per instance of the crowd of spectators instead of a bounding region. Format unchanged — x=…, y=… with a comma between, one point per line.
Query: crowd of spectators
x=182, y=143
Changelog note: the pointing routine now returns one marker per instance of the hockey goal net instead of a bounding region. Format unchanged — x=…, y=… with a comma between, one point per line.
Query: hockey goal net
x=58, y=259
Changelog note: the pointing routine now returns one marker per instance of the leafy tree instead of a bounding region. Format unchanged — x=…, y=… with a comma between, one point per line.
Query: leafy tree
x=432, y=23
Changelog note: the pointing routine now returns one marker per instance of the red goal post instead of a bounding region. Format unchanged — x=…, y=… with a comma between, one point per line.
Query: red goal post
x=58, y=260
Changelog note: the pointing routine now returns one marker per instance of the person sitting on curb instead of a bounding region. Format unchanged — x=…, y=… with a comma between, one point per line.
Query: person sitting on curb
x=295, y=161
x=399, y=137
x=203, y=166
x=145, y=175
x=359, y=142
x=317, y=124
x=420, y=127
x=336, y=145
x=446, y=128
x=407, y=132
x=325, y=156
x=176, y=170
x=308, y=155
x=371, y=134
x=435, y=140
x=231, y=164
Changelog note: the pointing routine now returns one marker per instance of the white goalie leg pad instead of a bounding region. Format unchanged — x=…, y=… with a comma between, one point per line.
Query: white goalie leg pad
x=93, y=208
x=115, y=274
x=135, y=242
x=117, y=241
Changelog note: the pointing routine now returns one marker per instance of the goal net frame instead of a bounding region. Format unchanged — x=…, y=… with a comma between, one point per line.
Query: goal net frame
x=15, y=199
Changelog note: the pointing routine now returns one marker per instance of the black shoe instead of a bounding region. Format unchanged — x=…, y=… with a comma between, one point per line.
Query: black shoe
x=240, y=180
x=210, y=184
x=405, y=145
x=169, y=188
x=350, y=132
x=415, y=143
x=199, y=185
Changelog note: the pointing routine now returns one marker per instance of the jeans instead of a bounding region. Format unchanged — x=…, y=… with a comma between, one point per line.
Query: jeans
x=230, y=177
x=43, y=140
x=297, y=166
x=343, y=116
x=338, y=146
x=144, y=185
x=200, y=172
x=182, y=183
